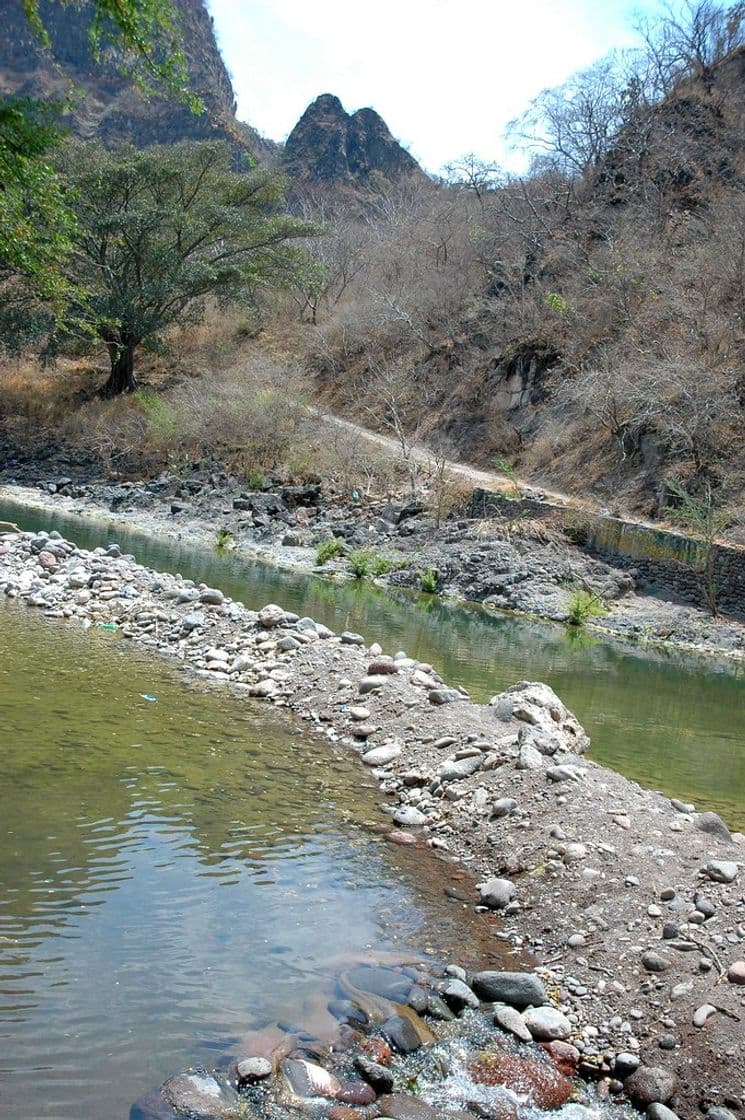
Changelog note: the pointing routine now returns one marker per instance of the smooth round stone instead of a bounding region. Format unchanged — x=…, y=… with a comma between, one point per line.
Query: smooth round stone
x=547, y=1023
x=736, y=972
x=253, y=1069
x=703, y=1013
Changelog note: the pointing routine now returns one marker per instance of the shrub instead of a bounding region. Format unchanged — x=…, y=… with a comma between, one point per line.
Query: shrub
x=329, y=549
x=583, y=606
x=224, y=540
x=361, y=562
x=428, y=581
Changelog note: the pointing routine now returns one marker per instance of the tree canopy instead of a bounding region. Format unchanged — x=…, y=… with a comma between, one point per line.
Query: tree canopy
x=159, y=230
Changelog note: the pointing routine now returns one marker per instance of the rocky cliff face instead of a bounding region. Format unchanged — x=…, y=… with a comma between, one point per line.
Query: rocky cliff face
x=111, y=107
x=329, y=145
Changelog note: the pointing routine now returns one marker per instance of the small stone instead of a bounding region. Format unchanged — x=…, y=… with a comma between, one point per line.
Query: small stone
x=212, y=597
x=650, y=1084
x=721, y=870
x=503, y=807
x=408, y=815
x=512, y=1021
x=349, y=638
x=445, y=696
x=657, y=1111
x=374, y=1074
x=704, y=906
x=667, y=1042
x=371, y=684
x=668, y=894
x=518, y=989
x=625, y=1064
x=496, y=893
x=458, y=995
x=702, y=1013
x=736, y=972
x=381, y=756
x=251, y=1070
x=713, y=825
x=547, y=1023
x=653, y=962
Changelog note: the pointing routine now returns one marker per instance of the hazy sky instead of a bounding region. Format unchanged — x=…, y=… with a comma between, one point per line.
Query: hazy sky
x=445, y=75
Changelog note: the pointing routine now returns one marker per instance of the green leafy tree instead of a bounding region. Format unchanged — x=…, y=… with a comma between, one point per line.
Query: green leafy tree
x=35, y=223
x=161, y=230
x=144, y=38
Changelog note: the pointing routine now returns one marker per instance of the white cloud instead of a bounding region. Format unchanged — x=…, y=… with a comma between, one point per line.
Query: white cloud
x=446, y=75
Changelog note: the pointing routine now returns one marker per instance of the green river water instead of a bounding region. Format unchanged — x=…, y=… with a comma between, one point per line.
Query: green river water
x=174, y=873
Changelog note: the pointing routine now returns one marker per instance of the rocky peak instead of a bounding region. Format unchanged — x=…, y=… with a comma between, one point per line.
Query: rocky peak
x=329, y=145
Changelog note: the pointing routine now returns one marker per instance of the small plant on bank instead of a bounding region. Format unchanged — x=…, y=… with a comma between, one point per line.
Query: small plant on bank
x=366, y=563
x=329, y=550
x=502, y=466
x=224, y=540
x=255, y=479
x=428, y=581
x=583, y=606
x=361, y=563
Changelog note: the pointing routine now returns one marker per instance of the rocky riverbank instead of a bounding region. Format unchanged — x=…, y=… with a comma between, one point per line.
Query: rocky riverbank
x=631, y=904
x=502, y=566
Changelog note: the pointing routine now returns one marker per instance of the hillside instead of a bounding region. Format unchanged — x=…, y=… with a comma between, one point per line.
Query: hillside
x=590, y=327
x=106, y=103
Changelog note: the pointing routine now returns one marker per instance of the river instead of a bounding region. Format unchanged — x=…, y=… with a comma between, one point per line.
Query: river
x=178, y=867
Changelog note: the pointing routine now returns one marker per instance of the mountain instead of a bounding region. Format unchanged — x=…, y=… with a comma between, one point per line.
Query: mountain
x=329, y=145
x=107, y=105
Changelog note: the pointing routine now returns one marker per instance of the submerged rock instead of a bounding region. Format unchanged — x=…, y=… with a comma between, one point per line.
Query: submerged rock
x=306, y=1079
x=201, y=1096
x=541, y=1082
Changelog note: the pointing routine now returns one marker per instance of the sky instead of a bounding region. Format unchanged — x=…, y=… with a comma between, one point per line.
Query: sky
x=445, y=75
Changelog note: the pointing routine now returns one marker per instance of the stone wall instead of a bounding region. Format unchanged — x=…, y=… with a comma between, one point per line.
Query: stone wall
x=663, y=561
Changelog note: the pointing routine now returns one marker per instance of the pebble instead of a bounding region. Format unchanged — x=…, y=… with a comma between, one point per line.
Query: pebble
x=703, y=1013
x=547, y=1023
x=503, y=807
x=736, y=972
x=250, y=1070
x=511, y=1021
x=721, y=870
x=496, y=893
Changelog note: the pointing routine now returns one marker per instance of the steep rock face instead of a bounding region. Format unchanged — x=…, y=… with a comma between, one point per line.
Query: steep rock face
x=329, y=145
x=111, y=108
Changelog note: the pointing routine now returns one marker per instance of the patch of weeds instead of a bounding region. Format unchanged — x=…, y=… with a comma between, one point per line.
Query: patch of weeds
x=583, y=606
x=224, y=540
x=328, y=550
x=428, y=581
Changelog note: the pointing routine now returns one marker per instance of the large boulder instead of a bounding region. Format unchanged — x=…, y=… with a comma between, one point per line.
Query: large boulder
x=550, y=725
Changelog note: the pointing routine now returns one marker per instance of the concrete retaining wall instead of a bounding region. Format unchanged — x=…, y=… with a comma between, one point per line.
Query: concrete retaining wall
x=663, y=561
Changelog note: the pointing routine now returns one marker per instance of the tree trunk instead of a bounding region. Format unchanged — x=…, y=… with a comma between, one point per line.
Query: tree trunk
x=122, y=377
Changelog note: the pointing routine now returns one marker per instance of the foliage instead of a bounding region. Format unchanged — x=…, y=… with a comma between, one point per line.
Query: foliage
x=367, y=562
x=160, y=230
x=583, y=606
x=224, y=540
x=144, y=35
x=330, y=549
x=36, y=225
x=428, y=581
x=360, y=563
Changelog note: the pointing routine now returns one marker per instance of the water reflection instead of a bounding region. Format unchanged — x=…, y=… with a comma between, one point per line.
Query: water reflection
x=172, y=873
